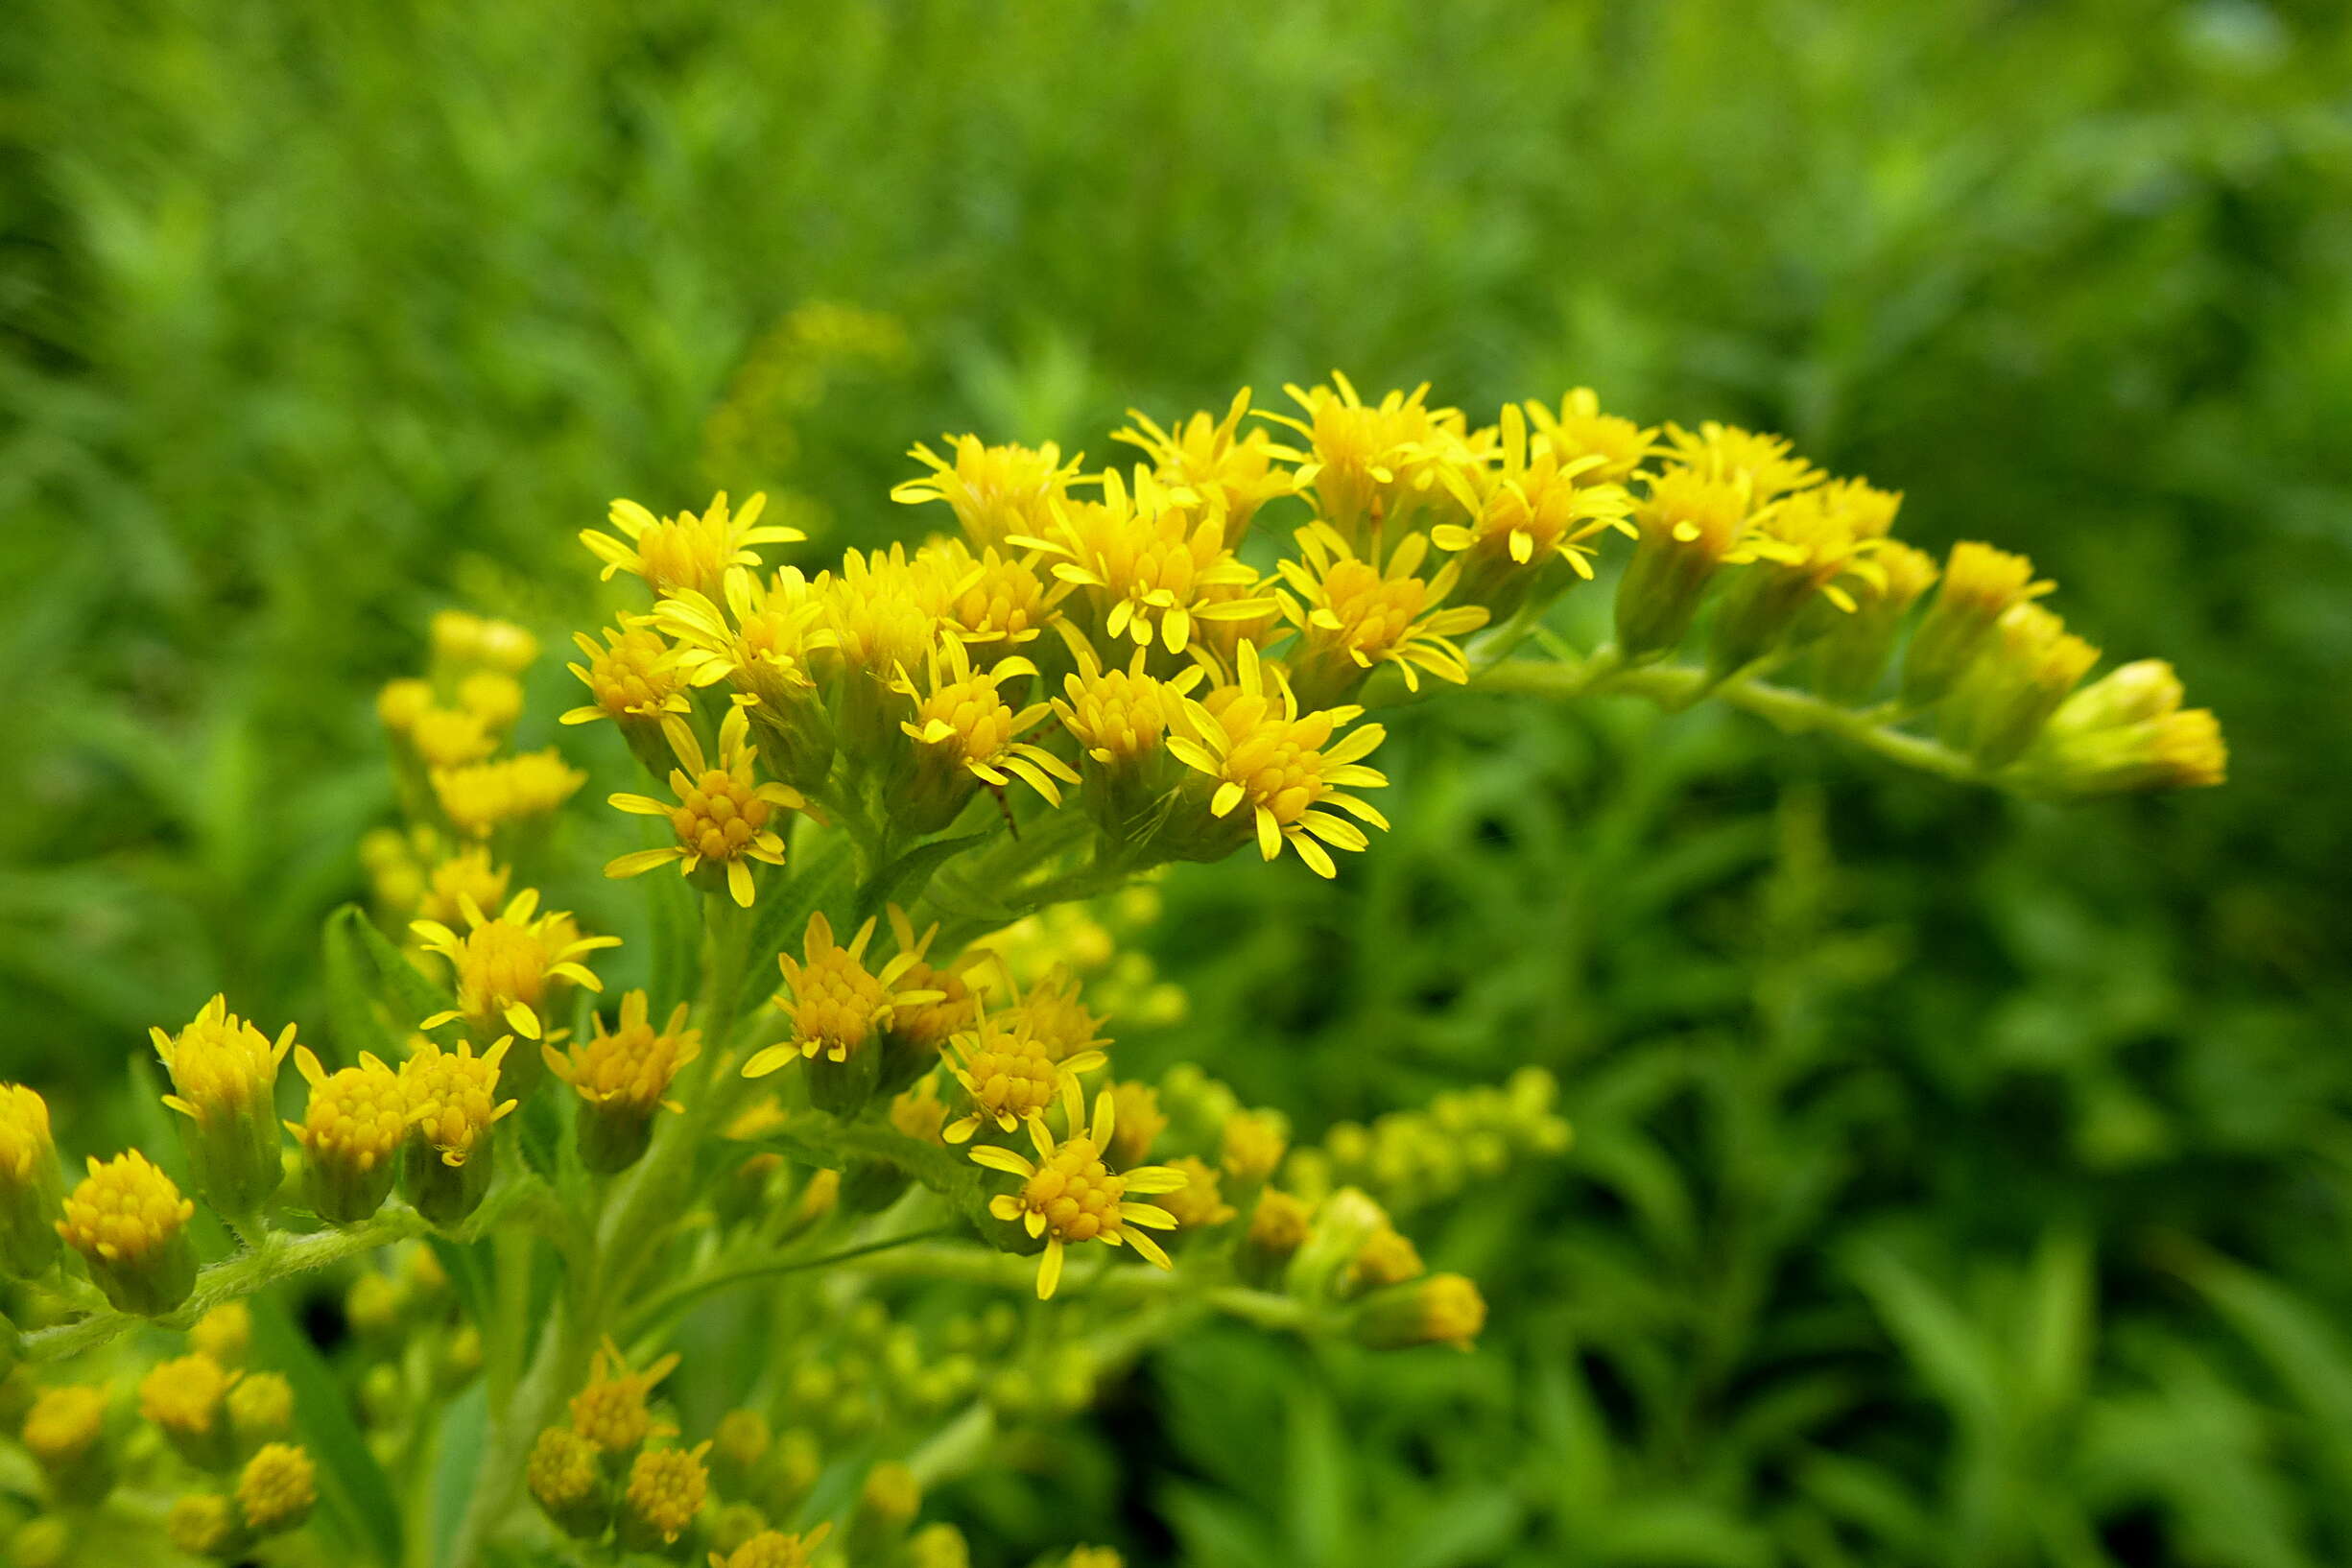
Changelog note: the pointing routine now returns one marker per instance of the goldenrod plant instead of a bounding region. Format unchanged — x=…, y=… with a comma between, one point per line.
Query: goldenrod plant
x=893, y=806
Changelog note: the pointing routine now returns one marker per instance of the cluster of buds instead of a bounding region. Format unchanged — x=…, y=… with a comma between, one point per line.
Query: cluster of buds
x=1412, y=1159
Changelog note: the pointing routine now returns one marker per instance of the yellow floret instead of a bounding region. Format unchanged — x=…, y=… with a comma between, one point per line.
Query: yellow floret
x=277, y=1488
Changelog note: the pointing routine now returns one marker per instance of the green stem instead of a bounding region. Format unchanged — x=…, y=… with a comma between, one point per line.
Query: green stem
x=719, y=1279
x=1676, y=686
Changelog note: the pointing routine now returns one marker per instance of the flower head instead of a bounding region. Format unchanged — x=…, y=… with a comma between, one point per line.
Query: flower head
x=512, y=971
x=462, y=639
x=450, y=737
x=1198, y=1204
x=1209, y=455
x=469, y=873
x=1283, y=765
x=962, y=721
x=1146, y=560
x=991, y=597
x=1537, y=506
x=1579, y=430
x=563, y=1475
x=260, y=1408
x=1053, y=1011
x=1138, y=1115
x=223, y=1074
x=1353, y=616
x=30, y=1184
x=453, y=1097
x=277, y=1488
x=130, y=1223
x=836, y=1005
x=226, y=1333
x=64, y=1424
x=996, y=491
x=1440, y=1309
x=622, y=1077
x=882, y=610
x=1981, y=584
x=491, y=695
x=202, y=1524
x=1690, y=525
x=685, y=550
x=484, y=796
x=186, y=1399
x=1121, y=717
x=723, y=812
x=773, y=1549
x=926, y=1026
x=1373, y=465
x=1069, y=1196
x=630, y=675
x=1764, y=463
x=1009, y=1074
x=350, y=1133
x=610, y=1411
x=666, y=1489
x=763, y=640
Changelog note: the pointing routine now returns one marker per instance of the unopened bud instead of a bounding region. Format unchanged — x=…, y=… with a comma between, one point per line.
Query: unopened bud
x=1440, y=1309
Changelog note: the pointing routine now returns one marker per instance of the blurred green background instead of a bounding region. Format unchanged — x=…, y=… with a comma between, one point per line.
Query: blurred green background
x=1958, y=1181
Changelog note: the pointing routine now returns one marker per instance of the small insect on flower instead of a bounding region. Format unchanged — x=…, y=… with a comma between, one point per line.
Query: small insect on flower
x=223, y=1074
x=685, y=550
x=1251, y=739
x=723, y=814
x=836, y=1006
x=1069, y=1196
x=512, y=971
x=131, y=1225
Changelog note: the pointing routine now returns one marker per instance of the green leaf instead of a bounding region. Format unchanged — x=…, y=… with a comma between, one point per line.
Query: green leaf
x=904, y=879
x=409, y=996
x=356, y=1497
x=456, y=1466
x=352, y=986
x=468, y=1265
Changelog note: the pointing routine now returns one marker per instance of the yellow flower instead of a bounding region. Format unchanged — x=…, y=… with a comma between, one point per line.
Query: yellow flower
x=1386, y=1257
x=919, y=1113
x=1815, y=543
x=1198, y=1204
x=354, y=1125
x=1053, y=1011
x=630, y=676
x=561, y=1473
x=512, y=970
x=1069, y=1196
x=996, y=491
x=1581, y=429
x=1689, y=526
x=883, y=611
x=184, y=1397
x=1353, y=616
x=1442, y=1309
x=1251, y=738
x=64, y=1424
x=1373, y=466
x=453, y=1097
x=130, y=1227
x=685, y=550
x=202, y=1524
x=2015, y=685
x=992, y=598
x=1538, y=505
x=450, y=737
x=763, y=640
x=224, y=1071
x=479, y=798
x=1135, y=1112
x=610, y=1411
x=462, y=639
x=963, y=723
x=1981, y=584
x=493, y=697
x=1853, y=651
x=926, y=1026
x=1763, y=463
x=260, y=1408
x=1209, y=454
x=667, y=1487
x=773, y=1549
x=1009, y=1073
x=2129, y=731
x=402, y=702
x=622, y=1077
x=1121, y=715
x=1252, y=1145
x=836, y=1006
x=722, y=813
x=471, y=873
x=226, y=1333
x=30, y=1184
x=1146, y=560
x=278, y=1489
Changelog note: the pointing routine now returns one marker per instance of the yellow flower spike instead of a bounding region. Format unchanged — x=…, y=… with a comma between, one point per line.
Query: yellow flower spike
x=685, y=550
x=1442, y=1309
x=1353, y=616
x=350, y=1133
x=836, y=1006
x=493, y=697
x=1373, y=466
x=964, y=731
x=224, y=1075
x=1148, y=559
x=484, y=797
x=632, y=677
x=469, y=873
x=995, y=491
x=450, y=737
x=1200, y=1203
x=563, y=1475
x=1689, y=527
x=453, y=1105
x=773, y=1549
x=1069, y=1196
x=666, y=1491
x=624, y=1077
x=1213, y=456
x=226, y=1333
x=512, y=971
x=723, y=812
x=131, y=1225
x=1981, y=584
x=186, y=1399
x=1009, y=1073
x=610, y=1410
x=1534, y=507
x=278, y=1489
x=1579, y=430
x=30, y=1184
x=1283, y=766
x=1762, y=462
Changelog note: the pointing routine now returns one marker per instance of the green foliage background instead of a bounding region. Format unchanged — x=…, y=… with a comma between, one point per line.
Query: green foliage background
x=1958, y=1182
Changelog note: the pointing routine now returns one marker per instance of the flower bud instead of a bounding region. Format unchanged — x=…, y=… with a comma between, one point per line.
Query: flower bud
x=2016, y=683
x=66, y=1432
x=2125, y=732
x=205, y=1525
x=887, y=1505
x=1342, y=1224
x=623, y=1078
x=1278, y=1228
x=452, y=1103
x=130, y=1227
x=1981, y=584
x=773, y=1549
x=564, y=1475
x=30, y=1186
x=350, y=1134
x=276, y=1489
x=1441, y=1309
x=260, y=1411
x=226, y=1333
x=1688, y=527
x=665, y=1492
x=1251, y=1147
x=939, y=1545
x=611, y=1412
x=186, y=1399
x=224, y=1077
